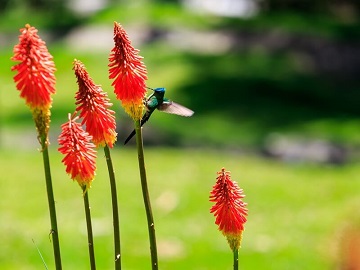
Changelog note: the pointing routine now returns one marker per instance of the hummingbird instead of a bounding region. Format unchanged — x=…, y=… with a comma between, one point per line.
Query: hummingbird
x=157, y=101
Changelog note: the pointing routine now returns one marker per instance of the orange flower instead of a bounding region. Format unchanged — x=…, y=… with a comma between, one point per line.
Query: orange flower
x=35, y=79
x=93, y=104
x=128, y=72
x=80, y=156
x=229, y=209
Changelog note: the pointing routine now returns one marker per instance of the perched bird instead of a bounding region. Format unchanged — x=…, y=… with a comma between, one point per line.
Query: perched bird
x=157, y=101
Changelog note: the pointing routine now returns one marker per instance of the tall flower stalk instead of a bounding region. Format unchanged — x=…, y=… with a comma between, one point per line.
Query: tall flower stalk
x=129, y=74
x=35, y=80
x=230, y=211
x=89, y=228
x=93, y=104
x=80, y=162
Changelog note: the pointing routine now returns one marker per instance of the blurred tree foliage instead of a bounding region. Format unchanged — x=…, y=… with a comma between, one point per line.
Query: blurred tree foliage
x=58, y=16
x=293, y=67
x=34, y=4
x=346, y=11
x=318, y=6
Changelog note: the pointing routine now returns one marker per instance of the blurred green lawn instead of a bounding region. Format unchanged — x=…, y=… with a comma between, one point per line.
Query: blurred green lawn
x=296, y=212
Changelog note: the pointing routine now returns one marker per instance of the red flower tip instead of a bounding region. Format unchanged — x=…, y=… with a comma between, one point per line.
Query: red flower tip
x=229, y=209
x=35, y=78
x=80, y=156
x=93, y=104
x=129, y=73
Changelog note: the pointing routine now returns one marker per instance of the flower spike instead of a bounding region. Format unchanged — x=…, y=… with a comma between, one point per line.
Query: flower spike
x=229, y=209
x=93, y=104
x=35, y=78
x=80, y=156
x=129, y=73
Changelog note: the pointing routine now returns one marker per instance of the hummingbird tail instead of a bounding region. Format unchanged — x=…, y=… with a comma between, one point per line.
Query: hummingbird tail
x=129, y=137
x=142, y=122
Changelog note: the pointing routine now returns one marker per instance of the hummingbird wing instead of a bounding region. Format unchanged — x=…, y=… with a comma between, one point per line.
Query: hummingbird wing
x=175, y=108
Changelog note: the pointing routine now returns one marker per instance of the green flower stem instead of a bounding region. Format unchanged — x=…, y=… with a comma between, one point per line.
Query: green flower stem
x=145, y=191
x=115, y=208
x=236, y=259
x=89, y=229
x=50, y=194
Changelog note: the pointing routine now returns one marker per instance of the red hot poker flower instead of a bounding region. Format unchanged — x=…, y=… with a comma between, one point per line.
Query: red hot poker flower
x=229, y=209
x=35, y=79
x=129, y=73
x=80, y=156
x=93, y=104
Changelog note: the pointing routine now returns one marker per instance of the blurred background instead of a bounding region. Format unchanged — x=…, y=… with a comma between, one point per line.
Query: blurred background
x=275, y=88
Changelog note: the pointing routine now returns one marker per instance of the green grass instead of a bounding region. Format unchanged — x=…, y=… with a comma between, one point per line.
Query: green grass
x=296, y=212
